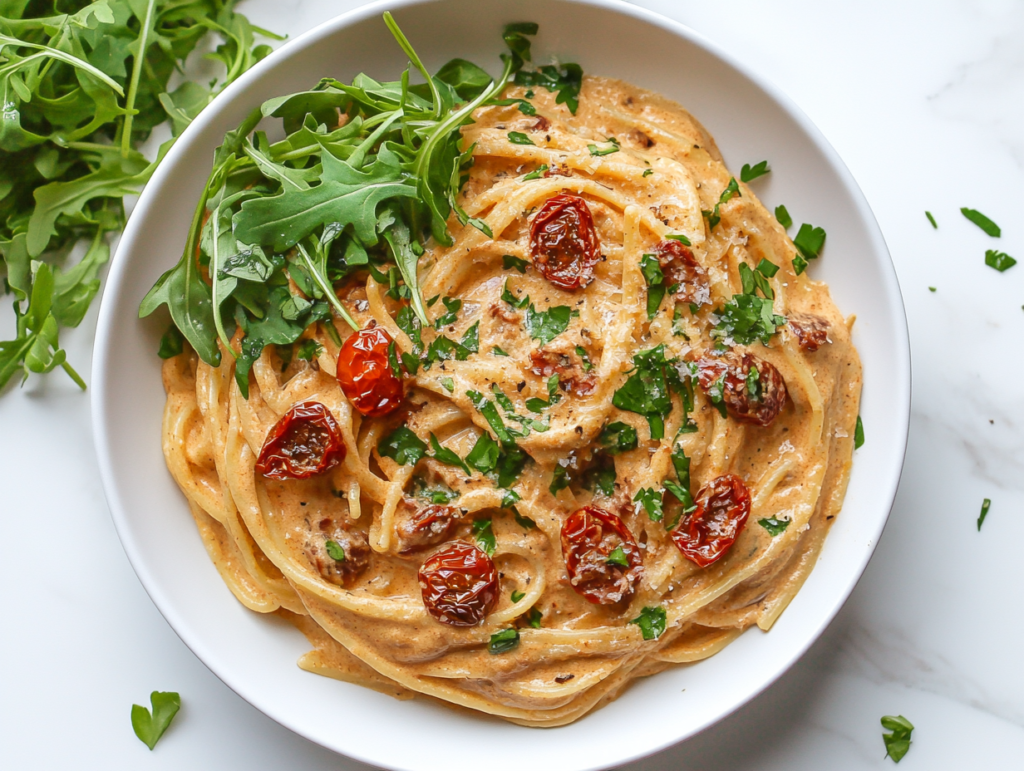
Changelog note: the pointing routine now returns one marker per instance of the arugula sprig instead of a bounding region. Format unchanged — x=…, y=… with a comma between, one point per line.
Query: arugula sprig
x=367, y=173
x=81, y=90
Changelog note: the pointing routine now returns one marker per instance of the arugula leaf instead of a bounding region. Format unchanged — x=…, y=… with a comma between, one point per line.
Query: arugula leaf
x=545, y=326
x=617, y=438
x=985, y=505
x=782, y=215
x=402, y=446
x=1001, y=261
x=446, y=456
x=484, y=535
x=858, y=434
x=655, y=278
x=150, y=726
x=503, y=641
x=335, y=551
x=310, y=349
x=897, y=741
x=774, y=526
x=171, y=344
x=652, y=622
x=509, y=261
x=618, y=557
x=749, y=173
x=988, y=226
x=931, y=219
x=519, y=138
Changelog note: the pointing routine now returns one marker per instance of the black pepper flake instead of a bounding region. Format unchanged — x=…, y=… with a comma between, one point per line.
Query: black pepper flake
x=564, y=678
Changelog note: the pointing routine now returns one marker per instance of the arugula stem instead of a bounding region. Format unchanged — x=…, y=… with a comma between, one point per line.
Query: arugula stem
x=356, y=159
x=54, y=53
x=73, y=375
x=326, y=287
x=215, y=283
x=133, y=88
x=403, y=41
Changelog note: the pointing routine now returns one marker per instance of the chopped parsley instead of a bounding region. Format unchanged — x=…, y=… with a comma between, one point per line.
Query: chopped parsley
x=533, y=617
x=680, y=491
x=484, y=535
x=150, y=726
x=565, y=80
x=471, y=340
x=933, y=289
x=731, y=190
x=646, y=390
x=618, y=557
x=1001, y=261
x=582, y=353
x=601, y=476
x=519, y=138
x=613, y=147
x=439, y=494
x=503, y=641
x=897, y=742
x=652, y=622
x=447, y=456
x=647, y=172
x=402, y=446
x=680, y=238
x=444, y=348
x=560, y=479
x=524, y=522
x=491, y=415
x=507, y=296
x=982, y=222
x=453, y=305
x=498, y=351
x=309, y=349
x=517, y=595
x=782, y=215
x=651, y=501
x=511, y=262
x=335, y=551
x=545, y=326
x=747, y=317
x=749, y=173
x=396, y=368
x=809, y=241
x=655, y=279
x=858, y=434
x=931, y=219
x=448, y=384
x=985, y=505
x=484, y=455
x=617, y=438
x=774, y=526
x=536, y=174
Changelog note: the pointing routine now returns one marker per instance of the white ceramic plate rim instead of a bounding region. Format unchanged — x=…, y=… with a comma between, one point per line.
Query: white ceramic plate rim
x=899, y=384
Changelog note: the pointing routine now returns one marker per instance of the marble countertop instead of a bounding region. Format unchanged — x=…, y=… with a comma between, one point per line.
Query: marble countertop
x=925, y=102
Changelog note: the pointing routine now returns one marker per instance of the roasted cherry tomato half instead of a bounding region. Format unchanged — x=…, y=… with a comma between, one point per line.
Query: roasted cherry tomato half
x=366, y=374
x=306, y=441
x=459, y=585
x=682, y=270
x=752, y=389
x=723, y=506
x=594, y=546
x=811, y=331
x=564, y=243
x=425, y=527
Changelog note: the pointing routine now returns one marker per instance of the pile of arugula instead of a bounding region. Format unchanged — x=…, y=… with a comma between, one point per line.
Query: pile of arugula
x=367, y=173
x=83, y=85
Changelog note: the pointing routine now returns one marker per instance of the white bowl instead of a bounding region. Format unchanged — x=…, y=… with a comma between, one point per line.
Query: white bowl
x=255, y=655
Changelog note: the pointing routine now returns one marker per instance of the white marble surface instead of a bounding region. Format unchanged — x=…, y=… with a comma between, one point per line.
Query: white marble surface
x=925, y=102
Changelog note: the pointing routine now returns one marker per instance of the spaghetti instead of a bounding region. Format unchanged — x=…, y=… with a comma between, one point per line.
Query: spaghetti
x=604, y=463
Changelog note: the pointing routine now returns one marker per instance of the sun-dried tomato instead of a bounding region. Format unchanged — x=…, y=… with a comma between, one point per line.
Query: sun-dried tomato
x=366, y=374
x=542, y=124
x=811, y=331
x=682, y=270
x=333, y=542
x=306, y=441
x=723, y=506
x=752, y=389
x=424, y=527
x=590, y=536
x=571, y=376
x=459, y=585
x=557, y=170
x=564, y=243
